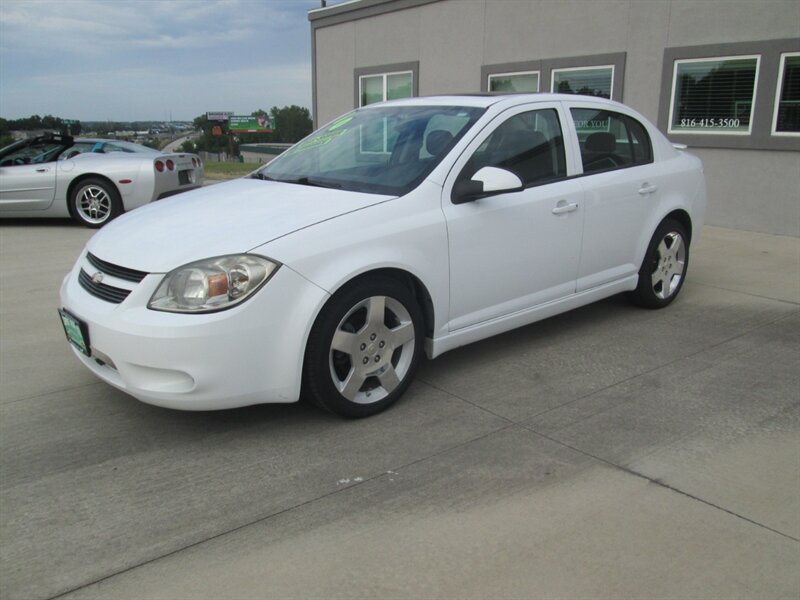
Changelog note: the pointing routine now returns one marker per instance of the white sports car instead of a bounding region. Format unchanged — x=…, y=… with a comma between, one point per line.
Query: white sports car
x=417, y=224
x=58, y=176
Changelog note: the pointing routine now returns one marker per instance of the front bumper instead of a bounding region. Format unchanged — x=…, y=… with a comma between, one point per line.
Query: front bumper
x=250, y=354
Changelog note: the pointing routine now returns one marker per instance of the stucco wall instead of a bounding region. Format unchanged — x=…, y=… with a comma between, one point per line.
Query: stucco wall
x=452, y=39
x=755, y=190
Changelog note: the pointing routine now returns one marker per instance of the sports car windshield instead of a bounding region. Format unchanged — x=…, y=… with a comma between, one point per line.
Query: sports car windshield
x=33, y=151
x=381, y=150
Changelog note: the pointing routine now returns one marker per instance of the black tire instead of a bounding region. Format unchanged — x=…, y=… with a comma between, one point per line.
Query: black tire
x=94, y=202
x=372, y=361
x=664, y=267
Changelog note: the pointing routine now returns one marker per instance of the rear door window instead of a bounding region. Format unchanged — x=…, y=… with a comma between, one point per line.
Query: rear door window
x=609, y=140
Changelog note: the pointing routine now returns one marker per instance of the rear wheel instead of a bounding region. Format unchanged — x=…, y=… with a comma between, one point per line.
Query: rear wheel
x=94, y=202
x=664, y=267
x=364, y=348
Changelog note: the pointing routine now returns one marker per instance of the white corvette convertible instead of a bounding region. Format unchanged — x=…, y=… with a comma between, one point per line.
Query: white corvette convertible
x=57, y=176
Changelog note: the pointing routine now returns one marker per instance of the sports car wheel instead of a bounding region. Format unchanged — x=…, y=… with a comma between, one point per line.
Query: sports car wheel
x=364, y=348
x=664, y=267
x=94, y=203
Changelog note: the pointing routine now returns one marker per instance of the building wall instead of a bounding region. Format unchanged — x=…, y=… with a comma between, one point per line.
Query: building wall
x=453, y=39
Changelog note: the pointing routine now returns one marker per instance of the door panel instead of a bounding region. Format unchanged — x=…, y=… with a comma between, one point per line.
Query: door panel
x=615, y=212
x=621, y=186
x=28, y=186
x=513, y=251
x=510, y=252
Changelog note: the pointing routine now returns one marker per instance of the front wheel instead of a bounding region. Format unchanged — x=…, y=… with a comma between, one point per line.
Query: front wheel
x=364, y=348
x=664, y=267
x=94, y=202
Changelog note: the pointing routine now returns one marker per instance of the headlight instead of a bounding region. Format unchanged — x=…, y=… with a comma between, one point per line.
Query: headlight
x=212, y=284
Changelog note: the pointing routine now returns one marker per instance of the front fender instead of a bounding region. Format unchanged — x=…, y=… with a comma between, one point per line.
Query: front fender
x=408, y=234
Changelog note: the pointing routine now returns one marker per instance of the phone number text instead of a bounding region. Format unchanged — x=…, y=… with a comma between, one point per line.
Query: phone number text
x=722, y=123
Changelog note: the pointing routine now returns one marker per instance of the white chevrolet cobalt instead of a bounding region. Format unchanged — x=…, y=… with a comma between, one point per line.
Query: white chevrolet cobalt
x=419, y=224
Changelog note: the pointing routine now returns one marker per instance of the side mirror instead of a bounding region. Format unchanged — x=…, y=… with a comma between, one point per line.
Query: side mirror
x=488, y=181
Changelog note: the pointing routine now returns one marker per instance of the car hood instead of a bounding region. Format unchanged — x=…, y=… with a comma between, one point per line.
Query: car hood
x=225, y=218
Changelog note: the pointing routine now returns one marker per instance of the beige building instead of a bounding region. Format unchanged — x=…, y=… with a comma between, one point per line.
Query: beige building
x=722, y=76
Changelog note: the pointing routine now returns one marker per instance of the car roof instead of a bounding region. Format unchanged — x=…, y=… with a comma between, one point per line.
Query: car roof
x=486, y=99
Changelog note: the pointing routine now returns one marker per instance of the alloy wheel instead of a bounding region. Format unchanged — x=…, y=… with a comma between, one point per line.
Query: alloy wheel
x=372, y=349
x=670, y=263
x=94, y=204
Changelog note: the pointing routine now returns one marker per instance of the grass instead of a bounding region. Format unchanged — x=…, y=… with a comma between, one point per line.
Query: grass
x=228, y=170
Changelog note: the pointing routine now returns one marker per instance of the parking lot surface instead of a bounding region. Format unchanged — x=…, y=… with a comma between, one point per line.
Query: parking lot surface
x=607, y=452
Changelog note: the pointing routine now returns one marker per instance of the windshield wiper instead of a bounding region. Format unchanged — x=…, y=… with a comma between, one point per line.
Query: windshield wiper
x=299, y=181
x=311, y=182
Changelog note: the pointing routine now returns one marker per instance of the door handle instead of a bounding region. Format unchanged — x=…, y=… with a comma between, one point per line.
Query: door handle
x=44, y=170
x=647, y=189
x=565, y=208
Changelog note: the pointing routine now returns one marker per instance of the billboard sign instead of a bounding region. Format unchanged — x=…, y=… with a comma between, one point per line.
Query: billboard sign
x=218, y=116
x=259, y=124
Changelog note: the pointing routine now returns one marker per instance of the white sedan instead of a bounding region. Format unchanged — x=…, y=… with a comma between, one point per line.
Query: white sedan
x=91, y=180
x=408, y=226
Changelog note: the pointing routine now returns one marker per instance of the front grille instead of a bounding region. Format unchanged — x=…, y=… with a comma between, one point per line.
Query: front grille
x=101, y=290
x=115, y=270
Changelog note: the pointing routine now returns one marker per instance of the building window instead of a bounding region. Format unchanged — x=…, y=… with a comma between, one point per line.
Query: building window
x=514, y=82
x=786, y=120
x=593, y=81
x=385, y=86
x=594, y=75
x=730, y=95
x=714, y=95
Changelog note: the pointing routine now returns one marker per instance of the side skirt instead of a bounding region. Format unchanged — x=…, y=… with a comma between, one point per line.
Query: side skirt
x=479, y=331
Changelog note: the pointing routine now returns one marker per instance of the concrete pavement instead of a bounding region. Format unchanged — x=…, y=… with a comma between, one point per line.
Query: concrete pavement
x=608, y=452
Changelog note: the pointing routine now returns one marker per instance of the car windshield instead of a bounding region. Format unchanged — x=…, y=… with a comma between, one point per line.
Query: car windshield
x=32, y=151
x=105, y=147
x=382, y=150
x=122, y=146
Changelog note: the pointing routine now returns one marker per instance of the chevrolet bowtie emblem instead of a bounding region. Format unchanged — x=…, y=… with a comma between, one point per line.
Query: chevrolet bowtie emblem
x=97, y=277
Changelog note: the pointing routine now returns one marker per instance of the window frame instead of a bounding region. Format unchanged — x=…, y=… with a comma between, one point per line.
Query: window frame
x=777, y=100
x=457, y=172
x=385, y=82
x=625, y=118
x=753, y=102
x=512, y=74
x=760, y=136
x=385, y=70
x=463, y=174
x=546, y=66
x=582, y=68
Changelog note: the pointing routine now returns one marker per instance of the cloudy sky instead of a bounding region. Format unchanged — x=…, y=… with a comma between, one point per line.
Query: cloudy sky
x=125, y=60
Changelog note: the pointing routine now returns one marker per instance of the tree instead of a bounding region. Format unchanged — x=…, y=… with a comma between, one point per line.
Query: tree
x=207, y=140
x=34, y=122
x=5, y=133
x=292, y=123
x=188, y=146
